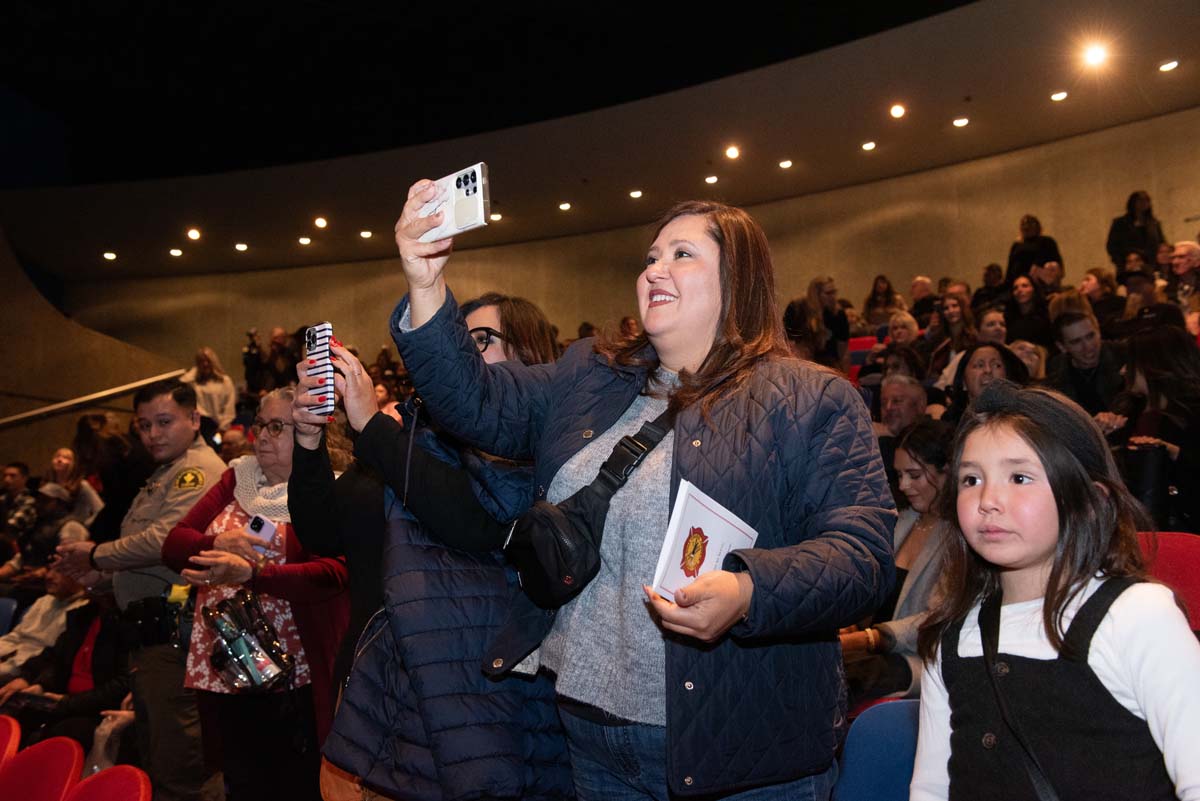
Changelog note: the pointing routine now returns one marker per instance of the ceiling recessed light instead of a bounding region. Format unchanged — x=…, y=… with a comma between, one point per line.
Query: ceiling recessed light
x=304, y=240
x=176, y=252
x=786, y=164
x=732, y=152
x=1058, y=97
x=193, y=233
x=961, y=122
x=635, y=194
x=564, y=206
x=1168, y=66
x=110, y=255
x=897, y=111
x=495, y=216
x=868, y=145
x=1095, y=55
x=320, y=222
x=365, y=234
x=240, y=247
x=712, y=179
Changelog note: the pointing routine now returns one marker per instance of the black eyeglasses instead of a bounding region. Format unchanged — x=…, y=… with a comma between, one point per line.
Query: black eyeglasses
x=274, y=427
x=484, y=337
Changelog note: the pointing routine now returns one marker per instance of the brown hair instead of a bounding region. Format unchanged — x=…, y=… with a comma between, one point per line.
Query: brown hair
x=527, y=332
x=749, y=327
x=967, y=334
x=1098, y=518
x=1108, y=281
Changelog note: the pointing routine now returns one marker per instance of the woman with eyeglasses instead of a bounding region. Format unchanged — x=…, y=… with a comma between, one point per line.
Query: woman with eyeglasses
x=270, y=741
x=419, y=516
x=734, y=688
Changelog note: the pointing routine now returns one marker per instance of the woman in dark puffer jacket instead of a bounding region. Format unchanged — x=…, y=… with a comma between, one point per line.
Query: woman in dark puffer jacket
x=736, y=685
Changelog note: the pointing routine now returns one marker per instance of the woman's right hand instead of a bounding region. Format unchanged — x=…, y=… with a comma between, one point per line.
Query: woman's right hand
x=423, y=262
x=308, y=425
x=356, y=387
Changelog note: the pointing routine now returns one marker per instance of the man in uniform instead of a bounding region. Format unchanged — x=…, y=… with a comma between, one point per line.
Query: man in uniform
x=167, y=720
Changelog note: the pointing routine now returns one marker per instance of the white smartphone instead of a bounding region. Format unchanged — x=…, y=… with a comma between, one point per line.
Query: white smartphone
x=465, y=198
x=263, y=529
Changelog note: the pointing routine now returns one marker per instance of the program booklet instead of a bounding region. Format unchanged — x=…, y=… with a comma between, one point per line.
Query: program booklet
x=699, y=535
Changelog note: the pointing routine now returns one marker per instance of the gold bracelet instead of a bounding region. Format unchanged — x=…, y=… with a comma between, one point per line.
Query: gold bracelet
x=872, y=640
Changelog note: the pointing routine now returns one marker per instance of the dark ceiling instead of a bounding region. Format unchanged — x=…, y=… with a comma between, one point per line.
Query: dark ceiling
x=153, y=89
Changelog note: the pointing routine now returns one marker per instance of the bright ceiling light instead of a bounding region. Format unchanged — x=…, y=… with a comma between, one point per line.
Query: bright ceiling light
x=320, y=222
x=304, y=240
x=1058, y=97
x=1168, y=66
x=1095, y=54
x=110, y=255
x=732, y=152
x=712, y=179
x=635, y=194
x=240, y=247
x=496, y=216
x=365, y=234
x=786, y=164
x=564, y=206
x=961, y=122
x=897, y=111
x=868, y=146
x=176, y=252
x=193, y=233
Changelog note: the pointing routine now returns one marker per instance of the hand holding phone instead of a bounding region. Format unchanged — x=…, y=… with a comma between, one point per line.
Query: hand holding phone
x=464, y=199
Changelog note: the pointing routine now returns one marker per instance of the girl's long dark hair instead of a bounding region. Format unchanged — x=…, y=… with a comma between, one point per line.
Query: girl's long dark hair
x=749, y=327
x=1098, y=519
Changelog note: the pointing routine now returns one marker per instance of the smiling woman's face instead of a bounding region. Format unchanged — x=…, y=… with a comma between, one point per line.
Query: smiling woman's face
x=679, y=291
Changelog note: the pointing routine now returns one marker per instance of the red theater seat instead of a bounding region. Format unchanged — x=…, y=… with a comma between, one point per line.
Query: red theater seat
x=42, y=772
x=1173, y=558
x=118, y=783
x=10, y=738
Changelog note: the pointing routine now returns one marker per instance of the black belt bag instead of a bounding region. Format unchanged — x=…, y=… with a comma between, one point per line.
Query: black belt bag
x=556, y=548
x=149, y=621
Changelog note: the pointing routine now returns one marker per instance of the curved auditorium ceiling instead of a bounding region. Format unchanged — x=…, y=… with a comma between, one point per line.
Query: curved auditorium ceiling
x=587, y=112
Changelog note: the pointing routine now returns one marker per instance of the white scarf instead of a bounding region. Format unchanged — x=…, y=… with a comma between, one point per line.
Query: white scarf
x=255, y=495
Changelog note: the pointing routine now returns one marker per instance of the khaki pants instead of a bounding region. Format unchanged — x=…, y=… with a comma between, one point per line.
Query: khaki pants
x=168, y=727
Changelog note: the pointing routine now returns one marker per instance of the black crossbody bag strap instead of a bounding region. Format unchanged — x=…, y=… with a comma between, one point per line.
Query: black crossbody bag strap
x=629, y=452
x=989, y=634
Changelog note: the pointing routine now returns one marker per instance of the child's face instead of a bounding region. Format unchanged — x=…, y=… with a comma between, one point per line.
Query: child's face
x=1006, y=509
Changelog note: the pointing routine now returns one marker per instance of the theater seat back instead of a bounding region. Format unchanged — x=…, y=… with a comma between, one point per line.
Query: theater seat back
x=10, y=738
x=42, y=772
x=118, y=783
x=1173, y=557
x=877, y=762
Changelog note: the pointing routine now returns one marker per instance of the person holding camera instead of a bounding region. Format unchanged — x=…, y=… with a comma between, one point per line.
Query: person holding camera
x=239, y=536
x=736, y=684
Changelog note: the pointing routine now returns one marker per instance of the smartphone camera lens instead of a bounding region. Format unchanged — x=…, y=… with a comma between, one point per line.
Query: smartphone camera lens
x=474, y=180
x=256, y=524
x=458, y=183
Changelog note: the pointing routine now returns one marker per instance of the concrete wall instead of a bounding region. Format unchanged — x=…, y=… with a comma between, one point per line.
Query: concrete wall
x=950, y=221
x=49, y=358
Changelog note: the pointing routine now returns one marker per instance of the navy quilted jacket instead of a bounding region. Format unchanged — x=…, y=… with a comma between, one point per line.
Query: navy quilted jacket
x=792, y=453
x=418, y=719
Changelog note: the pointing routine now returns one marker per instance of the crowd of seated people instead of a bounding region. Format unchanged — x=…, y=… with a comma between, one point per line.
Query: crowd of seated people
x=172, y=504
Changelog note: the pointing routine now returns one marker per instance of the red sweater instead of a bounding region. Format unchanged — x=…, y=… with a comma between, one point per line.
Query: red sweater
x=315, y=587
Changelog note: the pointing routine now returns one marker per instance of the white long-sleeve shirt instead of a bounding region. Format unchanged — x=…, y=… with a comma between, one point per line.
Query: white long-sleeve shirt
x=39, y=628
x=1143, y=652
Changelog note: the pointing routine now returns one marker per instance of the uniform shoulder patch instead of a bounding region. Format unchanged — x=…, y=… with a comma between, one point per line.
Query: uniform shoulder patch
x=189, y=478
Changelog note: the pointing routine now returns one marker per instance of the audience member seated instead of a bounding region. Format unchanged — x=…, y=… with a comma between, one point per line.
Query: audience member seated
x=1162, y=259
x=85, y=672
x=1032, y=247
x=1136, y=229
x=41, y=624
x=23, y=577
x=18, y=509
x=802, y=340
x=1086, y=370
x=991, y=328
x=924, y=301
x=234, y=444
x=304, y=598
x=1162, y=426
x=993, y=292
x=1033, y=356
x=216, y=397
x=1183, y=283
x=980, y=365
x=1027, y=316
x=902, y=403
x=115, y=465
x=858, y=326
x=1048, y=279
x=65, y=471
x=882, y=660
x=1099, y=286
x=828, y=322
x=958, y=334
x=272, y=369
x=883, y=302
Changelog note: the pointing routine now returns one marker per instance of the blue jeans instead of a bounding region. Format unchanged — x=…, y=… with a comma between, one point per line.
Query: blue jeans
x=629, y=763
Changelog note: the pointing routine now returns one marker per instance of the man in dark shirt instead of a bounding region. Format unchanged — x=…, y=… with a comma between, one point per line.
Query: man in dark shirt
x=1087, y=370
x=923, y=299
